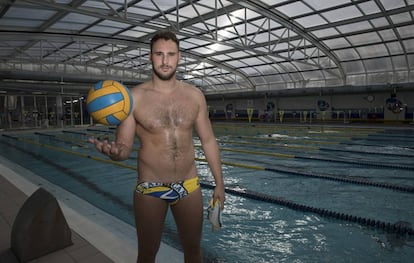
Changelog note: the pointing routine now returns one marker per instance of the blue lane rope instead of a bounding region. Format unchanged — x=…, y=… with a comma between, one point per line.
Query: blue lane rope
x=360, y=163
x=391, y=137
x=398, y=132
x=383, y=139
x=56, y=138
x=313, y=141
x=79, y=154
x=313, y=148
x=360, y=181
x=100, y=130
x=320, y=158
x=78, y=177
x=76, y=132
x=385, y=226
x=73, y=142
x=371, y=144
x=366, y=152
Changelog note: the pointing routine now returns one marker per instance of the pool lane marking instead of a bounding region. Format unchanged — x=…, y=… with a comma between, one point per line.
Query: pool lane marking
x=314, y=127
x=347, y=143
x=369, y=222
x=255, y=167
x=65, y=139
x=315, y=148
x=323, y=159
x=98, y=135
x=294, y=146
x=251, y=137
x=75, y=141
x=281, y=155
x=110, y=161
x=279, y=139
x=60, y=149
x=361, y=181
x=267, y=145
x=368, y=152
x=290, y=156
x=247, y=166
x=312, y=148
x=388, y=227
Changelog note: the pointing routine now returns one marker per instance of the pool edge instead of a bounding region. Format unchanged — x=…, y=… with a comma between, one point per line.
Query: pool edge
x=113, y=237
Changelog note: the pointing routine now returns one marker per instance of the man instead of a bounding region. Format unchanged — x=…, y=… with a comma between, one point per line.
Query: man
x=164, y=115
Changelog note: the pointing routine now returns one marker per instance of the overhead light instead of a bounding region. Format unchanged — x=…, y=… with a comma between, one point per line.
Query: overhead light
x=3, y=92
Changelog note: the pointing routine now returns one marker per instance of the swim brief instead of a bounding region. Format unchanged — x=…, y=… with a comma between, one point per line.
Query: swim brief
x=170, y=192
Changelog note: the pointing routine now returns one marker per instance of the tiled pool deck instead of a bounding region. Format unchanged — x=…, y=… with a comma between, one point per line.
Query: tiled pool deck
x=97, y=236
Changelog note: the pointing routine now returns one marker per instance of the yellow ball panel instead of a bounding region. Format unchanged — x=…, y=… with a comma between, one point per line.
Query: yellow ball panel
x=127, y=101
x=109, y=102
x=120, y=115
x=100, y=114
x=93, y=94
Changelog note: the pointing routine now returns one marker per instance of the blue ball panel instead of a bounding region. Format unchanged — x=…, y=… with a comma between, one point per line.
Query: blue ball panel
x=104, y=101
x=98, y=85
x=112, y=120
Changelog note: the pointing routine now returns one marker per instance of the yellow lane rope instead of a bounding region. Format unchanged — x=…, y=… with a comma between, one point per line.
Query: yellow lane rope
x=235, y=164
x=305, y=141
x=51, y=147
x=117, y=163
x=297, y=128
x=273, y=145
x=281, y=155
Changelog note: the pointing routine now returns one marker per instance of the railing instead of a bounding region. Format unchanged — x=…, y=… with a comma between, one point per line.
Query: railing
x=311, y=116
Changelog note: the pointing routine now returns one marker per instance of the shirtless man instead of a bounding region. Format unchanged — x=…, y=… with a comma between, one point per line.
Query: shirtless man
x=164, y=115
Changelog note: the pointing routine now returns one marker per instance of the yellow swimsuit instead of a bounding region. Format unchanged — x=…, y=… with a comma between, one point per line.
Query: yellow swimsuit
x=170, y=192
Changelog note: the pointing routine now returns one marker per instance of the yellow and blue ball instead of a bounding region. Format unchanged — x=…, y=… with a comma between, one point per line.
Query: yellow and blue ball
x=109, y=102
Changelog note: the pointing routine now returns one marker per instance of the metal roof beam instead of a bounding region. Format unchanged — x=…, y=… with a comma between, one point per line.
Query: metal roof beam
x=283, y=20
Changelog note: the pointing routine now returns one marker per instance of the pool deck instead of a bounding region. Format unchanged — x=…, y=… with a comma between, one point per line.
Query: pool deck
x=11, y=199
x=97, y=236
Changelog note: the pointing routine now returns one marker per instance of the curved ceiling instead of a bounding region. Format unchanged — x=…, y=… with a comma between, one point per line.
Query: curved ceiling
x=227, y=45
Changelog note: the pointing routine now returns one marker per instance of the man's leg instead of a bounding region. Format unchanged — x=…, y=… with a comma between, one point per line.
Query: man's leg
x=150, y=214
x=188, y=215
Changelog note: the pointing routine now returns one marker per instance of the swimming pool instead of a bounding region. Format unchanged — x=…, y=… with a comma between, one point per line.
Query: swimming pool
x=295, y=194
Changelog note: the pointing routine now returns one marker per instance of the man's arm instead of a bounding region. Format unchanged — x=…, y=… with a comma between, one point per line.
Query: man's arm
x=210, y=147
x=119, y=149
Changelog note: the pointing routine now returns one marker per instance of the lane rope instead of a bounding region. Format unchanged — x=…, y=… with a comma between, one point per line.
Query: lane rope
x=282, y=155
x=385, y=226
x=388, y=227
x=359, y=181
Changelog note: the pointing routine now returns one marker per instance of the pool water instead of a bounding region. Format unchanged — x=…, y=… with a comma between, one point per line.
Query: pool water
x=255, y=230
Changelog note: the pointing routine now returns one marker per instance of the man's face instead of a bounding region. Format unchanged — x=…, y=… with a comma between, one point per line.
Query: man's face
x=165, y=57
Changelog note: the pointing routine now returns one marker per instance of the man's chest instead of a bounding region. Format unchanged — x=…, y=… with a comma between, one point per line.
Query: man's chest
x=160, y=113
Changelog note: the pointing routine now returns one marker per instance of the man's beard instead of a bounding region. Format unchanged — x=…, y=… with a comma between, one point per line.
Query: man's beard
x=163, y=76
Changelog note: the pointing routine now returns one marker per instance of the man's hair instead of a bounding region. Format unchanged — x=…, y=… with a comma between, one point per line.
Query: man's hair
x=166, y=35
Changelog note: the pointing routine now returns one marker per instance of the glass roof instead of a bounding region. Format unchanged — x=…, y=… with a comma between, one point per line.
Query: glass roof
x=226, y=45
